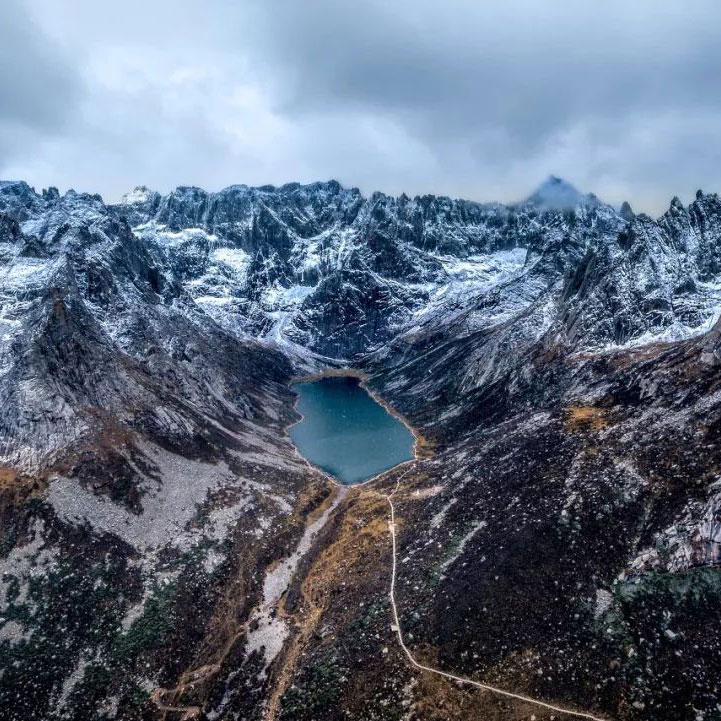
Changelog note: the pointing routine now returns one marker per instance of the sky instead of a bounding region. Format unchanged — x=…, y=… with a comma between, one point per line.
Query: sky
x=473, y=99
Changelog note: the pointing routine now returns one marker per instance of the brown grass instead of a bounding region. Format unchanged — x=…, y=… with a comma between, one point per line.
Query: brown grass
x=17, y=488
x=317, y=496
x=578, y=419
x=437, y=699
x=361, y=531
x=425, y=447
x=7, y=476
x=440, y=699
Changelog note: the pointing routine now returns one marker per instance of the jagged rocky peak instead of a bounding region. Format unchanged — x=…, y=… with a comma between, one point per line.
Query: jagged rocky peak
x=558, y=194
x=277, y=262
x=138, y=195
x=17, y=187
x=676, y=205
x=626, y=211
x=18, y=199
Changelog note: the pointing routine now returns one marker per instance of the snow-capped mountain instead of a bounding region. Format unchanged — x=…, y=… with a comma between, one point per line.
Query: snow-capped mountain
x=270, y=262
x=557, y=194
x=320, y=268
x=560, y=356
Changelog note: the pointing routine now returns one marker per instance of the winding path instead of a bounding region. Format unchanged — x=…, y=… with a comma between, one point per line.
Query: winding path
x=459, y=679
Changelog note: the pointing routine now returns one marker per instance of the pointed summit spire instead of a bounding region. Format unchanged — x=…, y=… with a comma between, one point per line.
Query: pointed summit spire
x=627, y=212
x=556, y=193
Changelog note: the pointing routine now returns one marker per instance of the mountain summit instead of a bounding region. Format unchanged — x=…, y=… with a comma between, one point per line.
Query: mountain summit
x=557, y=194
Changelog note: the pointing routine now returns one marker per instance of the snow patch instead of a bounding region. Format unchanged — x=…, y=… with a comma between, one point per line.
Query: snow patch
x=235, y=258
x=475, y=527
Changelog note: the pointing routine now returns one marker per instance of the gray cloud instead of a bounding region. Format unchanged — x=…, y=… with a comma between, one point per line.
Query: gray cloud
x=457, y=97
x=38, y=85
x=528, y=66
x=511, y=81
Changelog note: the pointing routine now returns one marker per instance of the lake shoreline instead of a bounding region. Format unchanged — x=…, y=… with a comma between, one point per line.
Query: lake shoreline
x=419, y=441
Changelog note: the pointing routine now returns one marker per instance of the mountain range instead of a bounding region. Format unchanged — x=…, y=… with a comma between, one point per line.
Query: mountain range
x=559, y=359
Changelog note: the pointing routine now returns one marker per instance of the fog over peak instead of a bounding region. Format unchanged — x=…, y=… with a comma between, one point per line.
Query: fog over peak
x=453, y=98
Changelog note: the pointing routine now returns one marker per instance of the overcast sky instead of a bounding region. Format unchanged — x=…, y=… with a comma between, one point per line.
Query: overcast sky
x=462, y=97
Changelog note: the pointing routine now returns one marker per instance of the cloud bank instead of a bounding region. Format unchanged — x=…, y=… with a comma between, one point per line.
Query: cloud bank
x=458, y=97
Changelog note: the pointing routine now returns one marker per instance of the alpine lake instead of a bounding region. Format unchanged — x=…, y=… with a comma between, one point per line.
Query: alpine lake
x=346, y=432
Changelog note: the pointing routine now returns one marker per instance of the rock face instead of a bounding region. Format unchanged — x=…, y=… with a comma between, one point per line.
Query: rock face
x=560, y=356
x=626, y=211
x=324, y=268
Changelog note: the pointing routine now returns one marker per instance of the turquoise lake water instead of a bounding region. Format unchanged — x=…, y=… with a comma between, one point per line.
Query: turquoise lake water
x=346, y=433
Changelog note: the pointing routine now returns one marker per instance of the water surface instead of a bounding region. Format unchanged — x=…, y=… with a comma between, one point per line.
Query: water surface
x=346, y=433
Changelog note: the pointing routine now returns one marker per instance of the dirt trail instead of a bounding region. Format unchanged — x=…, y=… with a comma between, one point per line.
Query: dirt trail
x=314, y=592
x=458, y=679
x=188, y=712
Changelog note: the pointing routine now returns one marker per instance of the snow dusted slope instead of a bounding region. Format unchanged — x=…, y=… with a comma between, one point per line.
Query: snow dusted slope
x=319, y=270
x=325, y=269
x=659, y=280
x=92, y=321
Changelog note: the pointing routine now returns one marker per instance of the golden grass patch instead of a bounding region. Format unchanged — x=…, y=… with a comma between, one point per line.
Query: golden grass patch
x=585, y=418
